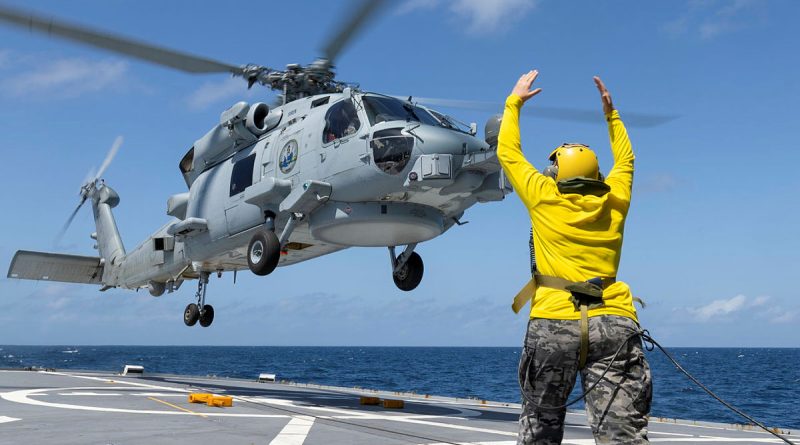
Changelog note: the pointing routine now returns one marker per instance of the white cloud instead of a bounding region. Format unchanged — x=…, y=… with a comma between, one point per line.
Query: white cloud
x=760, y=301
x=481, y=16
x=785, y=317
x=763, y=308
x=718, y=308
x=65, y=78
x=490, y=16
x=710, y=19
x=211, y=93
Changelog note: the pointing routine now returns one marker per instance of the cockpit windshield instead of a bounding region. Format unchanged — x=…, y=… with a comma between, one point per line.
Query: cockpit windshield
x=382, y=108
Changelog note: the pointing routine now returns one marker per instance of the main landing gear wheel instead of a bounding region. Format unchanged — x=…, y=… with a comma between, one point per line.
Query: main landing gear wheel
x=199, y=311
x=207, y=316
x=263, y=252
x=191, y=315
x=409, y=275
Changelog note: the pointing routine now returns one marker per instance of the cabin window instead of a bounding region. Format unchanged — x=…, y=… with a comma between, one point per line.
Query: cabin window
x=165, y=243
x=391, y=150
x=242, y=175
x=341, y=120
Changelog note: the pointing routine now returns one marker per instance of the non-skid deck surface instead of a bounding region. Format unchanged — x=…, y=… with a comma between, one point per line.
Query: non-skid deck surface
x=103, y=408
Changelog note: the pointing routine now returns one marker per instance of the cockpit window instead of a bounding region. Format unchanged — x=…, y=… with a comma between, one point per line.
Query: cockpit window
x=341, y=120
x=391, y=150
x=382, y=109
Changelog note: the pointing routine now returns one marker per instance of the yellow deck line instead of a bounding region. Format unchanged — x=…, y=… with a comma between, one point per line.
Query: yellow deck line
x=177, y=407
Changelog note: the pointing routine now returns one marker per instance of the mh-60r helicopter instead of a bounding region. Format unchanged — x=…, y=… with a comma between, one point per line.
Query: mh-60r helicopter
x=329, y=168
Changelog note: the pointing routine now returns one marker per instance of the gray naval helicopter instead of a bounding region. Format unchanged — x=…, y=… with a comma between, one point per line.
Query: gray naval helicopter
x=330, y=167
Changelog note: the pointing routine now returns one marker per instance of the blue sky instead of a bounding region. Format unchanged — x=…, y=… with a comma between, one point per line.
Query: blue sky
x=711, y=241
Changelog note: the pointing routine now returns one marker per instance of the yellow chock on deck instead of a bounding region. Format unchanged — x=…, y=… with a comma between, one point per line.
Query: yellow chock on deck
x=370, y=401
x=199, y=397
x=220, y=401
x=396, y=404
x=210, y=399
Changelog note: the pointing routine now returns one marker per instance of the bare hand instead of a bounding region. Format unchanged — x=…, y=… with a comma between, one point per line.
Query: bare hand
x=523, y=86
x=605, y=96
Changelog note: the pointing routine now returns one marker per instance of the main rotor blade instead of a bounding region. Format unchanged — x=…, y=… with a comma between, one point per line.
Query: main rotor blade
x=350, y=28
x=122, y=45
x=632, y=119
x=109, y=158
x=69, y=221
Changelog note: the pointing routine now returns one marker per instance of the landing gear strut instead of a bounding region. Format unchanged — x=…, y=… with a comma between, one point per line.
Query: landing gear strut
x=199, y=311
x=407, y=269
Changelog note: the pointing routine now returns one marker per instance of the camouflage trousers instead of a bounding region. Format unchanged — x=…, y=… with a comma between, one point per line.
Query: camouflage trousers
x=617, y=407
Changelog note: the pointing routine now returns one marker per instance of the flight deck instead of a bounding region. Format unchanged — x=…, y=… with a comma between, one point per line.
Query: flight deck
x=69, y=407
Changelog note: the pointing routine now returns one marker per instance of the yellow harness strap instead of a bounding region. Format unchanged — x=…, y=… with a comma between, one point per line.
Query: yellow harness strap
x=527, y=292
x=584, y=351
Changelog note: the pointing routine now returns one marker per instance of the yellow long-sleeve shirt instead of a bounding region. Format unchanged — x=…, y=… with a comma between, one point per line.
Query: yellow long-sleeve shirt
x=576, y=237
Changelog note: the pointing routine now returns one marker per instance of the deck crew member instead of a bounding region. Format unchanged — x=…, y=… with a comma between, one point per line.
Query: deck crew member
x=580, y=313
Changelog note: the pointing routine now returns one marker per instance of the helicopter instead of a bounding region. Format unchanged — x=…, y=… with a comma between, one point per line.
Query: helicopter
x=328, y=168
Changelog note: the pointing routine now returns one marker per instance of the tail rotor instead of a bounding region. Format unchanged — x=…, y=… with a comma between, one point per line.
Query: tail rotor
x=90, y=185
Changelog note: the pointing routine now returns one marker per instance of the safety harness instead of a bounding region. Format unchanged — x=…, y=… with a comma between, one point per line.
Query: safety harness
x=585, y=295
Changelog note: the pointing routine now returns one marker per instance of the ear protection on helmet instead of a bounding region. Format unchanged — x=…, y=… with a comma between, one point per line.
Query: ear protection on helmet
x=551, y=171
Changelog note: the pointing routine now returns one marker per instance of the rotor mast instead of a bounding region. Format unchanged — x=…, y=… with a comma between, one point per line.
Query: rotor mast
x=296, y=81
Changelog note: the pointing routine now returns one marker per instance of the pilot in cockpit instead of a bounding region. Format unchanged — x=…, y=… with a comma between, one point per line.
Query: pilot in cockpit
x=341, y=122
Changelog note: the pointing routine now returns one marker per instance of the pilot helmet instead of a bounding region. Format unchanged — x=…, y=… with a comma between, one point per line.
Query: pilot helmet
x=571, y=161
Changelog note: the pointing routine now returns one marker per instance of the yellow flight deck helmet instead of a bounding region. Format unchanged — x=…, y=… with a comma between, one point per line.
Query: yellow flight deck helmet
x=572, y=161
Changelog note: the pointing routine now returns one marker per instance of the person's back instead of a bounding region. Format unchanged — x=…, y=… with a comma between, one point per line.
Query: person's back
x=578, y=220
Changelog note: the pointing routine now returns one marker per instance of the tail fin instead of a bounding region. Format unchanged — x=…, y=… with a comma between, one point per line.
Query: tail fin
x=109, y=243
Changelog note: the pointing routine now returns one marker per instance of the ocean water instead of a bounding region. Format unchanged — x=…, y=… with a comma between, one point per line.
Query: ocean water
x=763, y=382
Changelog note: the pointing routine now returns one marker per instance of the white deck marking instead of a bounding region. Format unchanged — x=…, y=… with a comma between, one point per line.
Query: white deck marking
x=374, y=416
x=121, y=382
x=6, y=419
x=23, y=396
x=156, y=394
x=88, y=393
x=295, y=432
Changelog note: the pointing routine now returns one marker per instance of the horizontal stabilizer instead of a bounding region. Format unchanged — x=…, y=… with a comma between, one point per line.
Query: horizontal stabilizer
x=28, y=265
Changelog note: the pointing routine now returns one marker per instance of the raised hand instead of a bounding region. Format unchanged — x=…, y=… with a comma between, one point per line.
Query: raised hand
x=523, y=86
x=605, y=96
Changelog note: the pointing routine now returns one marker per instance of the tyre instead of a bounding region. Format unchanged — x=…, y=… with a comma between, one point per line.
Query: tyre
x=207, y=317
x=263, y=252
x=191, y=314
x=409, y=276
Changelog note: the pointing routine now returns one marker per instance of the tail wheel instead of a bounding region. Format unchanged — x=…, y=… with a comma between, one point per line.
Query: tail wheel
x=207, y=316
x=263, y=252
x=409, y=276
x=191, y=315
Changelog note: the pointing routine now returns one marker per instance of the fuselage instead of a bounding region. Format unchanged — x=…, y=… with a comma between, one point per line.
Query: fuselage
x=397, y=173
